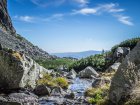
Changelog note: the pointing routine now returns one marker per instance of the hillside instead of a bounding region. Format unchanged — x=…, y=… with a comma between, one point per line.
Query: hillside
x=10, y=40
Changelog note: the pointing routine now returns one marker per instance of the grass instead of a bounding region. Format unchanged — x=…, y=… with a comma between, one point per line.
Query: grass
x=98, y=96
x=48, y=80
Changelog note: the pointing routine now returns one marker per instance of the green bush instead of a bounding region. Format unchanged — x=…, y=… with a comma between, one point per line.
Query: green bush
x=55, y=63
x=97, y=61
x=131, y=43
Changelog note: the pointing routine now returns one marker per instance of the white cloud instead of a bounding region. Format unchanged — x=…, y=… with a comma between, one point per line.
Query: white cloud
x=86, y=11
x=112, y=8
x=109, y=8
x=124, y=19
x=46, y=3
x=24, y=18
x=82, y=2
x=58, y=16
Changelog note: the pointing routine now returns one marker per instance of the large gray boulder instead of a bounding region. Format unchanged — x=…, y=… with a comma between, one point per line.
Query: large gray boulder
x=113, y=67
x=126, y=81
x=88, y=72
x=18, y=70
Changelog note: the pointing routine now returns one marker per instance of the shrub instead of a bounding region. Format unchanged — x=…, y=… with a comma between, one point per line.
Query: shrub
x=48, y=80
x=97, y=61
x=55, y=63
x=62, y=82
x=98, y=95
x=131, y=43
x=17, y=55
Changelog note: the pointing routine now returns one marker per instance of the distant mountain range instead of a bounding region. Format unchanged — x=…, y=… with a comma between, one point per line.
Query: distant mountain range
x=77, y=54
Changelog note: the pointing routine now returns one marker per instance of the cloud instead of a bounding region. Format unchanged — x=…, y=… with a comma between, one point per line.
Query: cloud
x=124, y=19
x=31, y=19
x=82, y=2
x=57, y=16
x=112, y=8
x=109, y=8
x=24, y=18
x=86, y=11
x=46, y=3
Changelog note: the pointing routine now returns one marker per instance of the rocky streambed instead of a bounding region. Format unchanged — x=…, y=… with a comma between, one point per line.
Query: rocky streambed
x=77, y=88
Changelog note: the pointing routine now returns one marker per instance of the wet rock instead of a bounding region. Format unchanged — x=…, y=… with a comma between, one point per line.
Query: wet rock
x=88, y=72
x=72, y=74
x=70, y=96
x=42, y=90
x=57, y=91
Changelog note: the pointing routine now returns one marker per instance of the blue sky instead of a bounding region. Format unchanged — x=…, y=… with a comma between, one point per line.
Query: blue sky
x=75, y=25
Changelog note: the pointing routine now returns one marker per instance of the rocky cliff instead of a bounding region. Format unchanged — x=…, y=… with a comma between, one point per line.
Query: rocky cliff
x=9, y=38
x=125, y=84
x=5, y=20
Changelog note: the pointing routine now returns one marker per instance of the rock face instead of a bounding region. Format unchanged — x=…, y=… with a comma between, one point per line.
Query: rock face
x=5, y=20
x=88, y=72
x=18, y=70
x=126, y=81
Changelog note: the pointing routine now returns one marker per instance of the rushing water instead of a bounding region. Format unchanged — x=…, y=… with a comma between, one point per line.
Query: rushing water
x=78, y=87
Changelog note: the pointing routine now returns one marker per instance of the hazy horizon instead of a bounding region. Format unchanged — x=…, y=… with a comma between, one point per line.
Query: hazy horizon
x=59, y=26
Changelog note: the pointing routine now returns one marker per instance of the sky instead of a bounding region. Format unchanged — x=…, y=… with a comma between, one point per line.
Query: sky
x=75, y=25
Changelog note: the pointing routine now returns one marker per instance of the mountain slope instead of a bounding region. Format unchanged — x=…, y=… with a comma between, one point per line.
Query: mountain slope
x=77, y=54
x=9, y=38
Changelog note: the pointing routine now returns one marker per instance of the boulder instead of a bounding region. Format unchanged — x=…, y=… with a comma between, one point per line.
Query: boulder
x=100, y=82
x=42, y=90
x=121, y=52
x=126, y=82
x=70, y=96
x=113, y=67
x=19, y=99
x=72, y=74
x=88, y=72
x=57, y=91
x=18, y=70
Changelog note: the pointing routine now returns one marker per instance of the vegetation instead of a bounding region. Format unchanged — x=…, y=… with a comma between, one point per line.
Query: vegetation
x=132, y=102
x=17, y=55
x=55, y=63
x=97, y=61
x=131, y=43
x=48, y=80
x=98, y=95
